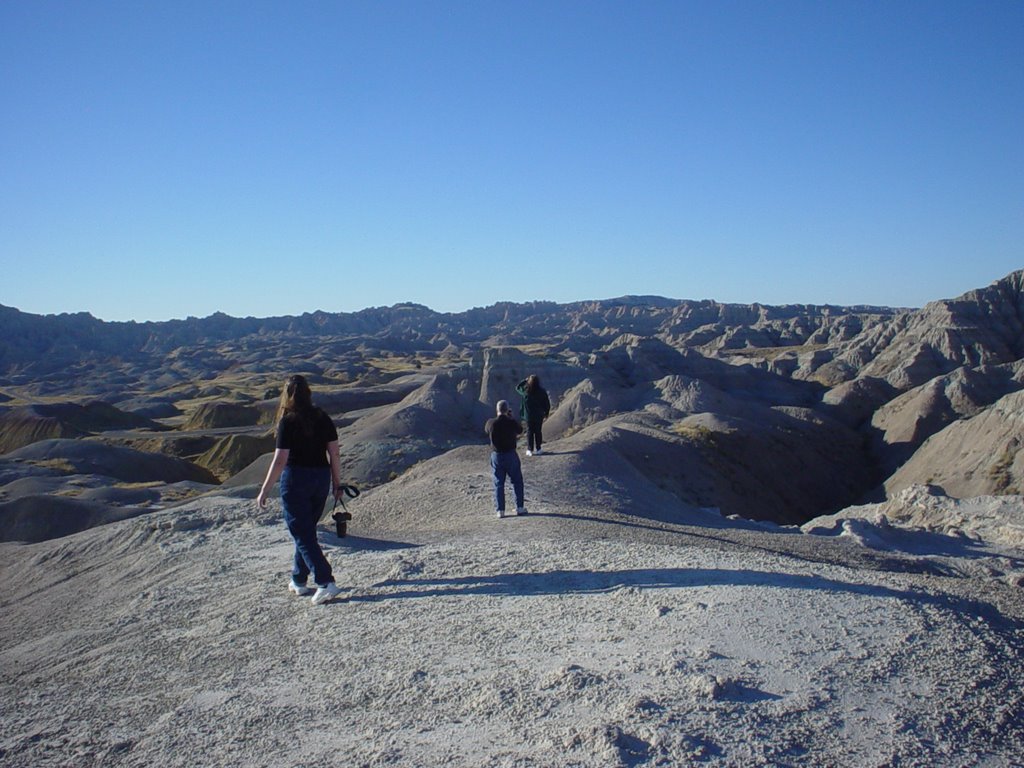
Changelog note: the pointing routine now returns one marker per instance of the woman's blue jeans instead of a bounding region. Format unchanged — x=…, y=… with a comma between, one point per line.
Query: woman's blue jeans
x=304, y=491
x=503, y=464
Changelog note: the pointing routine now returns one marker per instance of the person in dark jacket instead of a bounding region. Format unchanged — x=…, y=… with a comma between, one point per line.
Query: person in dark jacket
x=534, y=409
x=307, y=462
x=503, y=431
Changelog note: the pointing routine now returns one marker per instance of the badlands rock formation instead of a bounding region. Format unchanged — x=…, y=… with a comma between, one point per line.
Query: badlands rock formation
x=649, y=611
x=772, y=413
x=29, y=424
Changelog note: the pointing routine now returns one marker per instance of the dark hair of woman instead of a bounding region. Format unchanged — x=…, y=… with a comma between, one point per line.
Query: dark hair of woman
x=297, y=402
x=532, y=382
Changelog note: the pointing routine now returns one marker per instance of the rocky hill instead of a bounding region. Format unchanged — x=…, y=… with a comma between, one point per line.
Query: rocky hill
x=776, y=413
x=648, y=610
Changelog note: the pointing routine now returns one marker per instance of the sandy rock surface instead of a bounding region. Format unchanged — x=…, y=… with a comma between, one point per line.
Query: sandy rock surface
x=601, y=630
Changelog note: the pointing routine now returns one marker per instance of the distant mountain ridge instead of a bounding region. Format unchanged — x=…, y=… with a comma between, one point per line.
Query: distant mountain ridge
x=28, y=339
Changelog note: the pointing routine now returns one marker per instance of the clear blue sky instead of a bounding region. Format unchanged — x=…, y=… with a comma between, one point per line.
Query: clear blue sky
x=166, y=159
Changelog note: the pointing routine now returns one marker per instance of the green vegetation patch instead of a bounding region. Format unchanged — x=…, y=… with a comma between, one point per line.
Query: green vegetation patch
x=999, y=473
x=696, y=433
x=60, y=465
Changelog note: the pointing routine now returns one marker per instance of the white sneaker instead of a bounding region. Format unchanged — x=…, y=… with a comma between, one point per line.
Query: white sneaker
x=538, y=452
x=521, y=511
x=299, y=589
x=501, y=514
x=327, y=592
x=529, y=452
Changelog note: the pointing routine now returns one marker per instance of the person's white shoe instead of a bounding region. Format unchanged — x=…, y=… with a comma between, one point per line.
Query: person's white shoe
x=327, y=592
x=299, y=589
x=529, y=452
x=521, y=511
x=538, y=452
x=501, y=513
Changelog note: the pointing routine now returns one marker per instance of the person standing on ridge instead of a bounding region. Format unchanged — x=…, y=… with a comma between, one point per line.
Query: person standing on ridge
x=503, y=431
x=306, y=460
x=535, y=408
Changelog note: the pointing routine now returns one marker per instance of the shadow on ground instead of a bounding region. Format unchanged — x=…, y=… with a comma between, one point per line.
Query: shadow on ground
x=561, y=582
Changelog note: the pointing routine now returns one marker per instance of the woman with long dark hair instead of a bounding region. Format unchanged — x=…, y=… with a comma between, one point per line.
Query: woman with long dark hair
x=306, y=460
x=535, y=408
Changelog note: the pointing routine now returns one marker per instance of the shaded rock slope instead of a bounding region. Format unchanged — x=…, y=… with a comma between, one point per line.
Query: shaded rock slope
x=23, y=426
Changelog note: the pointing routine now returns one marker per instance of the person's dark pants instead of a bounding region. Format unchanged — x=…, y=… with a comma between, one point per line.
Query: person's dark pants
x=503, y=464
x=304, y=491
x=533, y=435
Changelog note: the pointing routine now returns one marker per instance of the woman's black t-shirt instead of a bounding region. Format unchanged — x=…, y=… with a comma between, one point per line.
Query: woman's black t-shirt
x=306, y=450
